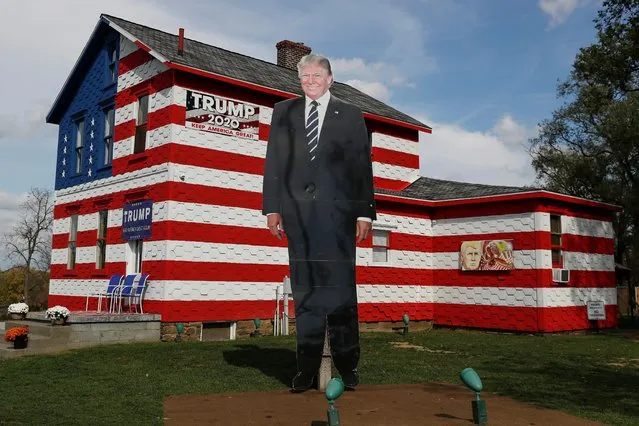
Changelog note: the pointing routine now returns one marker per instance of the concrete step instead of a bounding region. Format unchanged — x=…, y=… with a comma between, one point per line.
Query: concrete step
x=40, y=328
x=37, y=345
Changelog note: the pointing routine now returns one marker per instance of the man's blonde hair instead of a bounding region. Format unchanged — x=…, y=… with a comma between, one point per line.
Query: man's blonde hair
x=314, y=59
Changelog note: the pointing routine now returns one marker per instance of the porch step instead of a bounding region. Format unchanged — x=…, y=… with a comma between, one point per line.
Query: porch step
x=43, y=329
x=36, y=345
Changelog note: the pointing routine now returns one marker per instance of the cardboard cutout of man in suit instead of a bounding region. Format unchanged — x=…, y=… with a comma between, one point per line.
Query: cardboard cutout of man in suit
x=318, y=189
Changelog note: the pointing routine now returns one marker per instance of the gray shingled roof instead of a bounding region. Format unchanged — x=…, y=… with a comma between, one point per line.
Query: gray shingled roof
x=439, y=190
x=230, y=64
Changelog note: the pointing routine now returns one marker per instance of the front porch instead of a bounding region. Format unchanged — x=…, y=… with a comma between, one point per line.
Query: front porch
x=82, y=329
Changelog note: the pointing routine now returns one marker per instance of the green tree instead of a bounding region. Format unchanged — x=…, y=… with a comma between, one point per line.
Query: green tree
x=12, y=287
x=29, y=241
x=590, y=145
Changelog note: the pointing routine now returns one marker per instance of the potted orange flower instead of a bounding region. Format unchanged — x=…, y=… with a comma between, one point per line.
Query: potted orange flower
x=19, y=336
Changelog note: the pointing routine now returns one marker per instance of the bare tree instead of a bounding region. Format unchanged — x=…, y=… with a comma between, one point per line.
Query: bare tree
x=29, y=241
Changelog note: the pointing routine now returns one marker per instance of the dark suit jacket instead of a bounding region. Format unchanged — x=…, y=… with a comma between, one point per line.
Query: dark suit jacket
x=340, y=178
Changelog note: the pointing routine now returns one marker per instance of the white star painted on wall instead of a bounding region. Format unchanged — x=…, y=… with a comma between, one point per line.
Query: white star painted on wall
x=64, y=161
x=92, y=122
x=92, y=134
x=65, y=150
x=90, y=160
x=89, y=172
x=65, y=138
x=62, y=173
x=91, y=147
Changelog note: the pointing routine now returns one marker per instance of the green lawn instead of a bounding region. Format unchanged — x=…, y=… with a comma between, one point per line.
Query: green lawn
x=592, y=376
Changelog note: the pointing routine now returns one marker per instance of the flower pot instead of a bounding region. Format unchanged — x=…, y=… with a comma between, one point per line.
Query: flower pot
x=18, y=316
x=20, y=342
x=58, y=321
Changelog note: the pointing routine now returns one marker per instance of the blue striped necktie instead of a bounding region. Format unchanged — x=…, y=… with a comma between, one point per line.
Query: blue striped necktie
x=312, y=131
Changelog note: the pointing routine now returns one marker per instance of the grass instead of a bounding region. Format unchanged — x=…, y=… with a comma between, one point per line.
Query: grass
x=592, y=376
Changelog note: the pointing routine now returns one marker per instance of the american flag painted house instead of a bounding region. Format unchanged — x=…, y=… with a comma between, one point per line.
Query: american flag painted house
x=159, y=169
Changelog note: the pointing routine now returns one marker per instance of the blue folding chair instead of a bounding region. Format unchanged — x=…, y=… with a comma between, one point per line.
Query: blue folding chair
x=126, y=290
x=138, y=293
x=108, y=293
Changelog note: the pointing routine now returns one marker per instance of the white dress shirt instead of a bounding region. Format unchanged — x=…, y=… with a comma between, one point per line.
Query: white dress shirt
x=322, y=105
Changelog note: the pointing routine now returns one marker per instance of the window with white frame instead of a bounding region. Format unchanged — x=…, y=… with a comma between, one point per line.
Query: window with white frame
x=72, y=246
x=103, y=219
x=109, y=122
x=111, y=62
x=79, y=145
x=556, y=245
x=381, y=246
x=141, y=124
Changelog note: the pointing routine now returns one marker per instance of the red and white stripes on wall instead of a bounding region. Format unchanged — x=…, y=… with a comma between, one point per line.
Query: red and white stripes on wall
x=211, y=258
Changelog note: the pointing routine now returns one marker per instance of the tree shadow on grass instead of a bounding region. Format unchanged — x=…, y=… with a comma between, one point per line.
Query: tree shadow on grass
x=278, y=363
x=560, y=386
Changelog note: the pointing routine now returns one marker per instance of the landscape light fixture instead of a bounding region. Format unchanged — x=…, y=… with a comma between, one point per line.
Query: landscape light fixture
x=257, y=322
x=471, y=379
x=180, y=328
x=405, y=319
x=334, y=389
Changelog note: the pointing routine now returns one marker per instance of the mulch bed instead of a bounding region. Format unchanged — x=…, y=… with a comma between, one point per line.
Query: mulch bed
x=369, y=405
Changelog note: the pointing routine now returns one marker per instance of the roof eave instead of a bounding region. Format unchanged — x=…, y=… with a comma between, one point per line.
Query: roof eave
x=499, y=198
x=135, y=40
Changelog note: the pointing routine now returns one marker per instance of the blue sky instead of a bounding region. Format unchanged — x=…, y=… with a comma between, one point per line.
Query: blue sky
x=482, y=73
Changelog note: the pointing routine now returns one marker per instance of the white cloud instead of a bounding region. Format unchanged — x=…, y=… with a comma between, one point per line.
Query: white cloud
x=26, y=124
x=375, y=89
x=511, y=133
x=357, y=67
x=373, y=78
x=9, y=212
x=496, y=157
x=559, y=10
x=400, y=53
x=11, y=202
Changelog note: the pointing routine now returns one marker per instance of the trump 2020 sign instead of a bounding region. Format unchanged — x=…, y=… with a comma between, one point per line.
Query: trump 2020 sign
x=212, y=113
x=137, y=218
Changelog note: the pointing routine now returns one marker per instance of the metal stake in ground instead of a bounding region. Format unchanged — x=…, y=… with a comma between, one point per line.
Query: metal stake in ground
x=325, y=371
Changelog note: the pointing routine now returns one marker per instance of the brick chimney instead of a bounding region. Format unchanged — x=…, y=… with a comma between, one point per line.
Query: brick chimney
x=289, y=53
x=181, y=41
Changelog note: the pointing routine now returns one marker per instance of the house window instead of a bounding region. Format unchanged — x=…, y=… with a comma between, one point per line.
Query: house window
x=140, y=126
x=556, y=241
x=79, y=145
x=109, y=122
x=111, y=63
x=134, y=263
x=101, y=243
x=73, y=235
x=381, y=246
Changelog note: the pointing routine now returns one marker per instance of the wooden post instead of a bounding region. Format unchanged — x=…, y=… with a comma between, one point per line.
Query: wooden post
x=325, y=371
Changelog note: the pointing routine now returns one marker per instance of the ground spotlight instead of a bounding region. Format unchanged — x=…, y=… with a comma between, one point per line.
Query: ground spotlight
x=471, y=379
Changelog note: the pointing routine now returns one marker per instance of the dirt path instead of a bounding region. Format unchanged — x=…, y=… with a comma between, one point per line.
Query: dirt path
x=387, y=405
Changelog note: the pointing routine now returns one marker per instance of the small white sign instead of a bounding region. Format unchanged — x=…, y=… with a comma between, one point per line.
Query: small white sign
x=596, y=310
